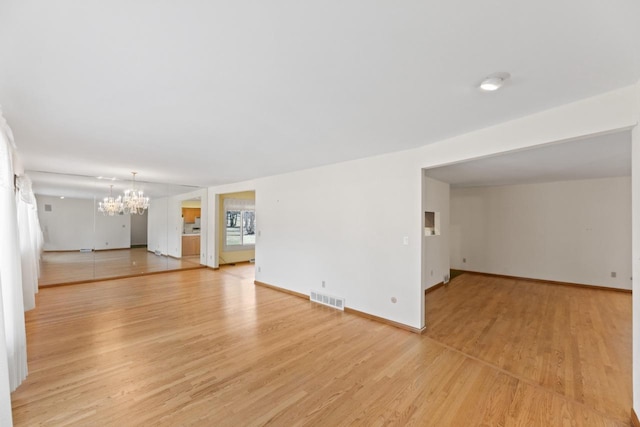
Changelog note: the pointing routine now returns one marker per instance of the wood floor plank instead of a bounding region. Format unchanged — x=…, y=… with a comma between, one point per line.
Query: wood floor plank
x=573, y=341
x=202, y=347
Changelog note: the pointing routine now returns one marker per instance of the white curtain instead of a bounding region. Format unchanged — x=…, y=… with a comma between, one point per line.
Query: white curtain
x=30, y=240
x=239, y=205
x=11, y=264
x=6, y=418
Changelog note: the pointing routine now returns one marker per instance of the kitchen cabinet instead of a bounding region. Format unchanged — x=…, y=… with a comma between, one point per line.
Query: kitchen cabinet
x=190, y=215
x=190, y=245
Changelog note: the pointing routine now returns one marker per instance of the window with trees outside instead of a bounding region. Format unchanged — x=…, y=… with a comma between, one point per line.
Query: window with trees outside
x=240, y=224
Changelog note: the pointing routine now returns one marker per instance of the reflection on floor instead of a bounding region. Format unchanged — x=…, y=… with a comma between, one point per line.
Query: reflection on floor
x=65, y=267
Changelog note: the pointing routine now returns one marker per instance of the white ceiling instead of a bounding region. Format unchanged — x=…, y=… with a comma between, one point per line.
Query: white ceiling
x=596, y=157
x=209, y=92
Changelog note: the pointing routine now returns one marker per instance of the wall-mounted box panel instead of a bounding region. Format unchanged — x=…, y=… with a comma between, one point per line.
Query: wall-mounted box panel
x=431, y=223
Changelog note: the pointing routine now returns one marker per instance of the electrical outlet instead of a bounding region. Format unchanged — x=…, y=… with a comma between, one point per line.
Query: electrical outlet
x=464, y=260
x=324, y=284
x=614, y=274
x=259, y=269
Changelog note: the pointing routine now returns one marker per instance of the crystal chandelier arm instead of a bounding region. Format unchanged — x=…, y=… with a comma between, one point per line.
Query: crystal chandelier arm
x=134, y=201
x=110, y=206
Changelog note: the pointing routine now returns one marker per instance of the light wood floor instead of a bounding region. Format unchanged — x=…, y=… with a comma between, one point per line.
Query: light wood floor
x=204, y=347
x=65, y=267
x=575, y=342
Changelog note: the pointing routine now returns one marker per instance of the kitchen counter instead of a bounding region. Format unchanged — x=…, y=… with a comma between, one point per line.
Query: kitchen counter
x=190, y=244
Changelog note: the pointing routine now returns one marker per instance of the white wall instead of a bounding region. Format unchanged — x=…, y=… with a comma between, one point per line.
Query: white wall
x=69, y=225
x=75, y=224
x=139, y=229
x=204, y=225
x=112, y=232
x=164, y=226
x=435, y=252
x=157, y=222
x=572, y=231
x=635, y=161
x=345, y=223
x=174, y=226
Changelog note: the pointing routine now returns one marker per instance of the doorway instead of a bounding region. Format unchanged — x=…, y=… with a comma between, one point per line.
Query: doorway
x=191, y=226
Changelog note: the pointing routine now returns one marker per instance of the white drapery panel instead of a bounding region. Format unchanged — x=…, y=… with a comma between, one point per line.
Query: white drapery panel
x=239, y=205
x=6, y=418
x=31, y=240
x=11, y=265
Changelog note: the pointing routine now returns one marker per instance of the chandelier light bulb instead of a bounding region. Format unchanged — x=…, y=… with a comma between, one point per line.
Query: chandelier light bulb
x=110, y=206
x=134, y=202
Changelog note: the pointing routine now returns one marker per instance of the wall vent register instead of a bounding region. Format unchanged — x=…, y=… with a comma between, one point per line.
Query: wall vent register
x=327, y=300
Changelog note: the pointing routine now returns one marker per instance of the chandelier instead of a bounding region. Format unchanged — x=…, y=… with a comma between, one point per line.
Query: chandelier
x=110, y=205
x=134, y=201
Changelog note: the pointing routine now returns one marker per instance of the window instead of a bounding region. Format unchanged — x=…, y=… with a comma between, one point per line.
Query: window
x=240, y=224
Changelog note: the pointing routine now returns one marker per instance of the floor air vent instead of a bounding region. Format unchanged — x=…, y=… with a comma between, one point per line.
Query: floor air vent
x=329, y=300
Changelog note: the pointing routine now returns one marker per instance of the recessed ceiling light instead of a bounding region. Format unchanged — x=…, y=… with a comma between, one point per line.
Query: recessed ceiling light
x=491, y=84
x=494, y=82
x=62, y=197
